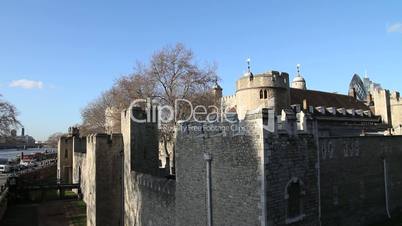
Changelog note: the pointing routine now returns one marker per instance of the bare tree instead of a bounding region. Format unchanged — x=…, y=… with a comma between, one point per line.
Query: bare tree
x=93, y=114
x=176, y=75
x=172, y=73
x=131, y=87
x=8, y=117
x=53, y=139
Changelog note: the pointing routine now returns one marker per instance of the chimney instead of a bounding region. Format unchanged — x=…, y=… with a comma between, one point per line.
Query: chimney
x=23, y=131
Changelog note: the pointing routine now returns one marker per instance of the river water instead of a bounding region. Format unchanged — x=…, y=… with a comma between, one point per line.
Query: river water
x=13, y=153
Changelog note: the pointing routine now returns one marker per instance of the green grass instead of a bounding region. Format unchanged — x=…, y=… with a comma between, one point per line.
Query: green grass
x=49, y=195
x=77, y=217
x=79, y=220
x=70, y=194
x=74, y=212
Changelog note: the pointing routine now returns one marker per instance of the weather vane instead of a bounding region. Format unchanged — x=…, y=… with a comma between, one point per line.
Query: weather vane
x=298, y=69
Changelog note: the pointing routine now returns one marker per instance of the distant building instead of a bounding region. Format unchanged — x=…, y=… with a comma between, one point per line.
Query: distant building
x=382, y=102
x=363, y=88
x=15, y=141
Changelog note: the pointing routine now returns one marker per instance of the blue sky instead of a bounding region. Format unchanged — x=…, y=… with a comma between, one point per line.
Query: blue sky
x=70, y=51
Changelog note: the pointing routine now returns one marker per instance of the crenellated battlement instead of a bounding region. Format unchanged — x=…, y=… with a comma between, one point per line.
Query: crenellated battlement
x=226, y=99
x=395, y=96
x=270, y=79
x=109, y=139
x=160, y=185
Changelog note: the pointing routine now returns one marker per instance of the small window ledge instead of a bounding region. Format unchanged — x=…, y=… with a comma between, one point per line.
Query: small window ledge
x=295, y=219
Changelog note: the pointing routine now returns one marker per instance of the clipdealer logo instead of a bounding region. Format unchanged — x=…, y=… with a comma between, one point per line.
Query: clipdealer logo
x=209, y=115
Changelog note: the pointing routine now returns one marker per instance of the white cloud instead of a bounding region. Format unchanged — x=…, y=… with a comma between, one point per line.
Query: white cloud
x=395, y=28
x=26, y=84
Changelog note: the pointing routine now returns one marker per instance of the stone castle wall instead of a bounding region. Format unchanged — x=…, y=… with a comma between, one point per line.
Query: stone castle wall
x=236, y=174
x=97, y=166
x=396, y=110
x=343, y=180
x=80, y=174
x=65, y=159
x=353, y=179
x=228, y=102
x=381, y=100
x=109, y=150
x=291, y=158
x=89, y=179
x=144, y=144
x=388, y=105
x=149, y=199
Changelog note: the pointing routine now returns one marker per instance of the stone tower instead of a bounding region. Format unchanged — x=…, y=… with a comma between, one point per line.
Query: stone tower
x=267, y=90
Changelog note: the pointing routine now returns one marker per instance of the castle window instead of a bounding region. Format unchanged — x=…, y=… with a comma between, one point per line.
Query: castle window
x=265, y=94
x=261, y=94
x=66, y=153
x=294, y=197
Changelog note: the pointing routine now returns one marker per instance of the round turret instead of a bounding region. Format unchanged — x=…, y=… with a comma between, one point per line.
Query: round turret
x=299, y=82
x=267, y=90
